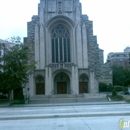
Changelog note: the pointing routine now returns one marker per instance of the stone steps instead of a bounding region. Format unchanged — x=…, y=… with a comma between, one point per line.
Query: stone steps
x=67, y=99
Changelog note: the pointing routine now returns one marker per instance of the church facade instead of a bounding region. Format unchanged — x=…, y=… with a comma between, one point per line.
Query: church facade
x=61, y=41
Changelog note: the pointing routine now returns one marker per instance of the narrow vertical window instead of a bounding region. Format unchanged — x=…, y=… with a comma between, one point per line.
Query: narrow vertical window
x=60, y=38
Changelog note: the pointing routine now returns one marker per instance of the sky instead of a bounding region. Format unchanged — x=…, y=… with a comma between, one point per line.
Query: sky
x=111, y=21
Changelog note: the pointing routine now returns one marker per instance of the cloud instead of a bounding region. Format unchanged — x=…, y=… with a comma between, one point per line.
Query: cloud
x=111, y=21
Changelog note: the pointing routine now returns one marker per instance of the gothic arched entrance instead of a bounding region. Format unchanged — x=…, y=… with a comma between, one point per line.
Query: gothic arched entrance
x=83, y=84
x=61, y=83
x=40, y=85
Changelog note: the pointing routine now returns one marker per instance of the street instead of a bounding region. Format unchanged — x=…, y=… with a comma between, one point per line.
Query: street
x=80, y=117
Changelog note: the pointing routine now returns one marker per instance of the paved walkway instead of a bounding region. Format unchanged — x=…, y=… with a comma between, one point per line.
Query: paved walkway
x=81, y=123
x=8, y=113
x=7, y=104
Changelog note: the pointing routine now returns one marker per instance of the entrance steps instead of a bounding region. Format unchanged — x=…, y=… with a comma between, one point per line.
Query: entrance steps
x=68, y=98
x=39, y=99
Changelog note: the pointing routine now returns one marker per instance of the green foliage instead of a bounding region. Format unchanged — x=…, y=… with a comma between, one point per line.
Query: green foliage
x=118, y=76
x=14, y=73
x=128, y=101
x=119, y=88
x=117, y=98
x=121, y=76
x=125, y=91
x=114, y=93
x=18, y=102
x=103, y=87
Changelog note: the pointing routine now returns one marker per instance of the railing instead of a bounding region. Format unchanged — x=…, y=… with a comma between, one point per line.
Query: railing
x=61, y=65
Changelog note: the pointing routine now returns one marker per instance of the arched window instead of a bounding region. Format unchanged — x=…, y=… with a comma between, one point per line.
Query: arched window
x=60, y=38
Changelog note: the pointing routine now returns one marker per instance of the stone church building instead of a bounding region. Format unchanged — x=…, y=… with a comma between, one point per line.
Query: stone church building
x=62, y=44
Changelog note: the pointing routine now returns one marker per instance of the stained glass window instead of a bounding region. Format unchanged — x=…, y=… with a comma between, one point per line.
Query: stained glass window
x=60, y=39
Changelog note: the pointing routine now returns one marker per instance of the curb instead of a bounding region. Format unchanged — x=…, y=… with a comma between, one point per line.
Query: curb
x=68, y=104
x=62, y=104
x=63, y=116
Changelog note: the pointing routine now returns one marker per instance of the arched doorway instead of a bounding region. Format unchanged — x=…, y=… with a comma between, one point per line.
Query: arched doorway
x=83, y=84
x=61, y=83
x=40, y=85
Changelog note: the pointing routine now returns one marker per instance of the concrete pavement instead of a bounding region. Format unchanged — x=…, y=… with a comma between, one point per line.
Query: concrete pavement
x=6, y=104
x=71, y=117
x=15, y=113
x=81, y=123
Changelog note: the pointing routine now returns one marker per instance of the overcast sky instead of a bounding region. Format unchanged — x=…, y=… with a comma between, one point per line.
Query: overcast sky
x=111, y=20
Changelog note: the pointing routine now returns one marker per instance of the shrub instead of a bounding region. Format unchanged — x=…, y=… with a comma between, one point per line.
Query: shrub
x=3, y=97
x=118, y=88
x=125, y=91
x=110, y=88
x=21, y=96
x=18, y=102
x=103, y=87
x=114, y=93
x=117, y=98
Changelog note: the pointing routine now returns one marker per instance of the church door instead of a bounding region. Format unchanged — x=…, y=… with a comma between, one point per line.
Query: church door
x=40, y=88
x=83, y=87
x=61, y=87
x=40, y=85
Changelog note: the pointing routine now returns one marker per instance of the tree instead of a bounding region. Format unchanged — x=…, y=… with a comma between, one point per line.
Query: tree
x=121, y=76
x=118, y=75
x=14, y=72
x=127, y=76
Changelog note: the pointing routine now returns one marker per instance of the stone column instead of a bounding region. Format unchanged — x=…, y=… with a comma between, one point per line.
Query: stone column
x=92, y=83
x=37, y=46
x=31, y=86
x=74, y=47
x=96, y=86
x=42, y=37
x=47, y=47
x=75, y=80
x=78, y=37
x=42, y=47
x=85, y=48
x=48, y=81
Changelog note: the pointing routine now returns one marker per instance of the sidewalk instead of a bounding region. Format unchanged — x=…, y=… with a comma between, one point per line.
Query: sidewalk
x=7, y=104
x=62, y=111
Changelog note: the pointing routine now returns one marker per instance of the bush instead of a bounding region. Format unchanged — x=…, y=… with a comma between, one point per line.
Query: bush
x=110, y=88
x=114, y=93
x=126, y=91
x=118, y=88
x=103, y=87
x=3, y=97
x=18, y=102
x=128, y=101
x=21, y=96
x=117, y=98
